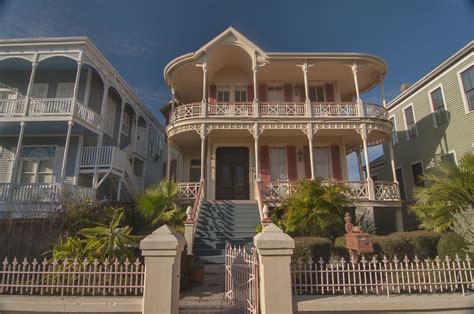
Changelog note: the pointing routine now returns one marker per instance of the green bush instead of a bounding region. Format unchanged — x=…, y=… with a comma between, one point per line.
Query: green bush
x=340, y=247
x=422, y=243
x=312, y=247
x=451, y=244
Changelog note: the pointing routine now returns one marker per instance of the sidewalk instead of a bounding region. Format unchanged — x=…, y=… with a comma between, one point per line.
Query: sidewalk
x=208, y=297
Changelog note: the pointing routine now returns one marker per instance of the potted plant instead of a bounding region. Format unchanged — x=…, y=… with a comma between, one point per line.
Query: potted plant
x=196, y=272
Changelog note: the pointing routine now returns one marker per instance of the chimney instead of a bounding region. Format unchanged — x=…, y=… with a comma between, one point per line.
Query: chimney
x=404, y=87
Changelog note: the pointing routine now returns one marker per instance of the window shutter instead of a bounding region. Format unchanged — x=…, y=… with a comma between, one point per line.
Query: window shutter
x=250, y=95
x=307, y=162
x=336, y=163
x=288, y=92
x=262, y=92
x=291, y=163
x=265, y=163
x=212, y=93
x=329, y=91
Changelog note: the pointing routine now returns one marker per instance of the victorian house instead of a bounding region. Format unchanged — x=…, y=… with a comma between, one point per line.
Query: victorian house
x=245, y=124
x=70, y=127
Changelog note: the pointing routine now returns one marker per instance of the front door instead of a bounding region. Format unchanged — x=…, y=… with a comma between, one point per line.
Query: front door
x=232, y=173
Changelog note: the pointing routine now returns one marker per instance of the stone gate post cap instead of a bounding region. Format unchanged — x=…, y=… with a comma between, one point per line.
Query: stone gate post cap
x=163, y=238
x=273, y=237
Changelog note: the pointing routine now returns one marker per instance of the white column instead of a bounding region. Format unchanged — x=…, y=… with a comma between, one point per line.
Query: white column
x=257, y=164
x=34, y=65
x=366, y=150
x=204, y=89
x=135, y=133
x=66, y=150
x=255, y=86
x=119, y=188
x=76, y=87
x=100, y=138
x=203, y=149
x=88, y=87
x=382, y=90
x=173, y=98
x=18, y=152
x=392, y=162
x=307, y=101
x=162, y=251
x=359, y=164
x=356, y=83
x=120, y=125
x=275, y=248
x=168, y=159
x=311, y=153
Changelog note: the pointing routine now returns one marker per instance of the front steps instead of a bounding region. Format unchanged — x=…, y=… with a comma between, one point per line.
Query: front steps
x=221, y=221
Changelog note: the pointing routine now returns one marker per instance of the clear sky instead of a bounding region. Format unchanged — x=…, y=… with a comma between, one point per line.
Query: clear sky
x=139, y=37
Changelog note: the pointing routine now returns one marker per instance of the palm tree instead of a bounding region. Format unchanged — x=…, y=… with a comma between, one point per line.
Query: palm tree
x=158, y=205
x=315, y=209
x=110, y=240
x=449, y=188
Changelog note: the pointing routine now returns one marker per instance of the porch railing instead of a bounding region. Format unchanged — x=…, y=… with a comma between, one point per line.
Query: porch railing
x=42, y=193
x=388, y=276
x=87, y=115
x=92, y=156
x=12, y=107
x=278, y=109
x=72, y=277
x=188, y=190
x=357, y=190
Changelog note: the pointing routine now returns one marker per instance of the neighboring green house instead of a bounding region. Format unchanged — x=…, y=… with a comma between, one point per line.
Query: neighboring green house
x=433, y=121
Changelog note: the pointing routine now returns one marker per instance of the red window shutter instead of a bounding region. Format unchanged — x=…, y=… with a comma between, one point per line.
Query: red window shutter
x=329, y=91
x=288, y=92
x=307, y=162
x=250, y=95
x=265, y=163
x=336, y=163
x=262, y=92
x=291, y=163
x=212, y=93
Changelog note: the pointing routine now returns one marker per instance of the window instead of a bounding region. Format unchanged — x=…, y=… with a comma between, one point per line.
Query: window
x=240, y=93
x=417, y=171
x=316, y=93
x=394, y=133
x=322, y=163
x=401, y=183
x=467, y=79
x=37, y=171
x=39, y=90
x=278, y=166
x=223, y=93
x=410, y=122
x=65, y=90
x=195, y=170
x=438, y=107
x=8, y=94
x=125, y=123
x=275, y=93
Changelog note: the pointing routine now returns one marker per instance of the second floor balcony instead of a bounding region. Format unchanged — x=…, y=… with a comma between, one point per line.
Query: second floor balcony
x=277, y=110
x=50, y=107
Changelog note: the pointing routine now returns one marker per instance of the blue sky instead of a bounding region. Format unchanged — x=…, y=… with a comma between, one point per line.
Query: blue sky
x=139, y=37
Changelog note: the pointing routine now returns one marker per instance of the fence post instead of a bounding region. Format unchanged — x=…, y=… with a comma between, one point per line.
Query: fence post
x=275, y=248
x=162, y=251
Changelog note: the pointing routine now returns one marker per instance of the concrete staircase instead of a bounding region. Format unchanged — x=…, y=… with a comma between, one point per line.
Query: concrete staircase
x=221, y=221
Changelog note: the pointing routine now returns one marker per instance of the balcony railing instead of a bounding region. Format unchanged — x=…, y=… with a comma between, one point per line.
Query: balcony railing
x=188, y=190
x=279, y=109
x=47, y=107
x=12, y=107
x=356, y=190
x=42, y=193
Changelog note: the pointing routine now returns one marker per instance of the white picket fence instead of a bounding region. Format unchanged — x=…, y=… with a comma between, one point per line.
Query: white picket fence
x=385, y=276
x=72, y=277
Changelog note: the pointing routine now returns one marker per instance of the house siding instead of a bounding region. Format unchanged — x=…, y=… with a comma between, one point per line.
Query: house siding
x=455, y=136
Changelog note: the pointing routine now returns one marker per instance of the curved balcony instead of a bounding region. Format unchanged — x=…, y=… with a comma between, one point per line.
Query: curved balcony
x=279, y=110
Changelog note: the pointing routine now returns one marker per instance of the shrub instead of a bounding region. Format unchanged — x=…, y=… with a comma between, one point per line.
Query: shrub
x=464, y=226
x=422, y=243
x=340, y=247
x=312, y=247
x=451, y=244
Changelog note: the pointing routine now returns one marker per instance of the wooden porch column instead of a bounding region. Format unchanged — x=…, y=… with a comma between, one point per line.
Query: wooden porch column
x=168, y=159
x=204, y=88
x=66, y=150
x=203, y=134
x=120, y=125
x=392, y=162
x=34, y=65
x=255, y=85
x=382, y=90
x=257, y=164
x=100, y=139
x=18, y=152
x=366, y=150
x=356, y=83
x=88, y=87
x=311, y=150
x=76, y=87
x=119, y=188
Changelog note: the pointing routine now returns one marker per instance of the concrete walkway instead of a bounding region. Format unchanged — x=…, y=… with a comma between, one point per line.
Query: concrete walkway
x=208, y=297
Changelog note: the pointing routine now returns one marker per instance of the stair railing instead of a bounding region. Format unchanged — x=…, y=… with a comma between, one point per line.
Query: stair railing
x=192, y=218
x=262, y=210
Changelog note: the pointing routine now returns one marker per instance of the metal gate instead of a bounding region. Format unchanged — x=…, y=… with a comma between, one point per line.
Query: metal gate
x=241, y=278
